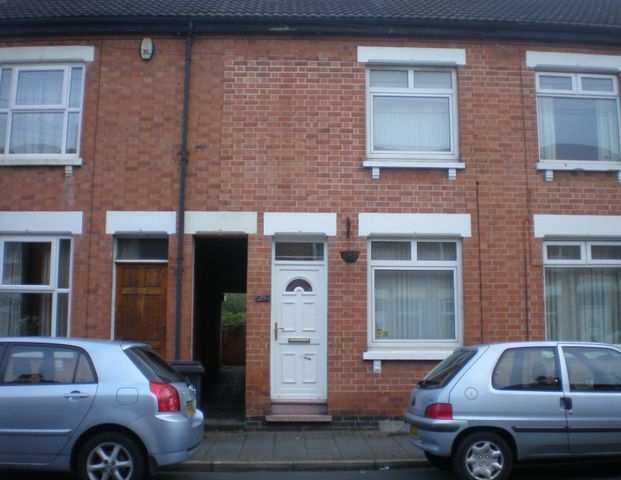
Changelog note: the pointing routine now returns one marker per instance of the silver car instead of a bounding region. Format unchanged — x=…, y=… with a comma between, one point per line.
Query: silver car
x=102, y=409
x=488, y=406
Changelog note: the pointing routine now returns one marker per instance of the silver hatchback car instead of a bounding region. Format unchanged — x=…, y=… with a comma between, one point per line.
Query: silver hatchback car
x=488, y=406
x=102, y=409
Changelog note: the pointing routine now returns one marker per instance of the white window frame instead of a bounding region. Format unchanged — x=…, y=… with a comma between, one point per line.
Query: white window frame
x=52, y=287
x=425, y=59
x=586, y=257
x=580, y=261
x=577, y=73
x=424, y=349
x=586, y=261
x=61, y=158
x=52, y=57
x=412, y=92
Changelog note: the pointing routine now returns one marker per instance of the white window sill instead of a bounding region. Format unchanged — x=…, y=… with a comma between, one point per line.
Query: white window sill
x=550, y=166
x=422, y=354
x=451, y=166
x=38, y=162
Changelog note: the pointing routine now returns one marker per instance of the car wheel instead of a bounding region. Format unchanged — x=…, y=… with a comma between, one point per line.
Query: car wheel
x=483, y=456
x=111, y=456
x=441, y=463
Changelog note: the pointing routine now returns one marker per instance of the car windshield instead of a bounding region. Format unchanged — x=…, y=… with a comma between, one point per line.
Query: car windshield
x=446, y=370
x=154, y=367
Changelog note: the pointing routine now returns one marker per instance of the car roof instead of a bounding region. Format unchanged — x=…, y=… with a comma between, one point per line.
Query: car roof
x=535, y=343
x=74, y=341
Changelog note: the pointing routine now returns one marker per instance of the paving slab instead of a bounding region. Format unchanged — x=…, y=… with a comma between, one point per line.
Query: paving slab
x=303, y=450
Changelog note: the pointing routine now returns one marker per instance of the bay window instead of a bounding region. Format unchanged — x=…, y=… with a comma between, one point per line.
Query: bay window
x=583, y=291
x=34, y=286
x=415, y=293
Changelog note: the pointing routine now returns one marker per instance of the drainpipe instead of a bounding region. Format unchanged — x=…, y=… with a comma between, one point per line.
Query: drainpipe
x=182, y=182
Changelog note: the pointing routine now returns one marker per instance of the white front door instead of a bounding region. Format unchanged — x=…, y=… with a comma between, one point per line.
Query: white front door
x=299, y=323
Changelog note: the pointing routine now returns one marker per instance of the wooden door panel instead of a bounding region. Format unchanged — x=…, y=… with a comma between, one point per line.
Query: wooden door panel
x=141, y=304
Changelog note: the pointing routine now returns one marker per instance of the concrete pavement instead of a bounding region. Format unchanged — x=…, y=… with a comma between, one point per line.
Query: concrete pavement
x=303, y=450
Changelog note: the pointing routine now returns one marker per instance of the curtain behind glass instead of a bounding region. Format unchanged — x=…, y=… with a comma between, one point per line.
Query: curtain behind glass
x=411, y=124
x=40, y=87
x=36, y=133
x=607, y=129
x=26, y=263
x=24, y=314
x=583, y=304
x=578, y=129
x=545, y=121
x=414, y=305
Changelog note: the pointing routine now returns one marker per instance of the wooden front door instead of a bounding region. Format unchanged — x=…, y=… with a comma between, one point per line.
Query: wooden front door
x=141, y=304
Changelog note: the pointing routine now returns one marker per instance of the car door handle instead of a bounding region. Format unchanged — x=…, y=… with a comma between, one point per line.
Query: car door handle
x=75, y=395
x=566, y=403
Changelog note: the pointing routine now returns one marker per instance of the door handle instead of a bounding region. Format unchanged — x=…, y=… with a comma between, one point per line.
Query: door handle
x=75, y=395
x=566, y=403
x=276, y=330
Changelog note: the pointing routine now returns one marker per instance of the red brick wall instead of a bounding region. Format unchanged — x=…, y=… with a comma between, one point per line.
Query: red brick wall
x=278, y=124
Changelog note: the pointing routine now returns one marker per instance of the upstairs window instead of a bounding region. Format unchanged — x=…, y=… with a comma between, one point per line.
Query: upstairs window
x=40, y=111
x=578, y=117
x=411, y=113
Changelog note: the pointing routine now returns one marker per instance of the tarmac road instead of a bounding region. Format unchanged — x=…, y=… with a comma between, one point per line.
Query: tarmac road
x=573, y=471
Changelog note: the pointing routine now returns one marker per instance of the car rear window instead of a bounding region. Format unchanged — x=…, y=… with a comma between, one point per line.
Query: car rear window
x=153, y=366
x=447, y=369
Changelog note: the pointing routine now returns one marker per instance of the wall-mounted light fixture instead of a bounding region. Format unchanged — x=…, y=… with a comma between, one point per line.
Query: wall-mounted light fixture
x=147, y=48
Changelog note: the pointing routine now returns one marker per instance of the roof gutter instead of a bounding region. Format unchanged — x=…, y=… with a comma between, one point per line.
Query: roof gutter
x=182, y=187
x=384, y=27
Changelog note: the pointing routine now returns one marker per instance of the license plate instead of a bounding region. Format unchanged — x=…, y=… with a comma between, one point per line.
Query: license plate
x=413, y=431
x=190, y=409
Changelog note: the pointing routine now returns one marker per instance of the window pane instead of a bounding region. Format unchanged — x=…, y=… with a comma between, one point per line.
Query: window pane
x=73, y=121
x=595, y=84
x=414, y=305
x=5, y=87
x=553, y=82
x=39, y=87
x=564, y=252
x=578, y=129
x=75, y=91
x=3, y=117
x=84, y=373
x=436, y=251
x=62, y=315
x=527, y=369
x=411, y=124
x=606, y=252
x=142, y=249
x=36, y=133
x=64, y=260
x=389, y=78
x=26, y=263
x=594, y=369
x=583, y=304
x=433, y=80
x=305, y=251
x=25, y=314
x=391, y=251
